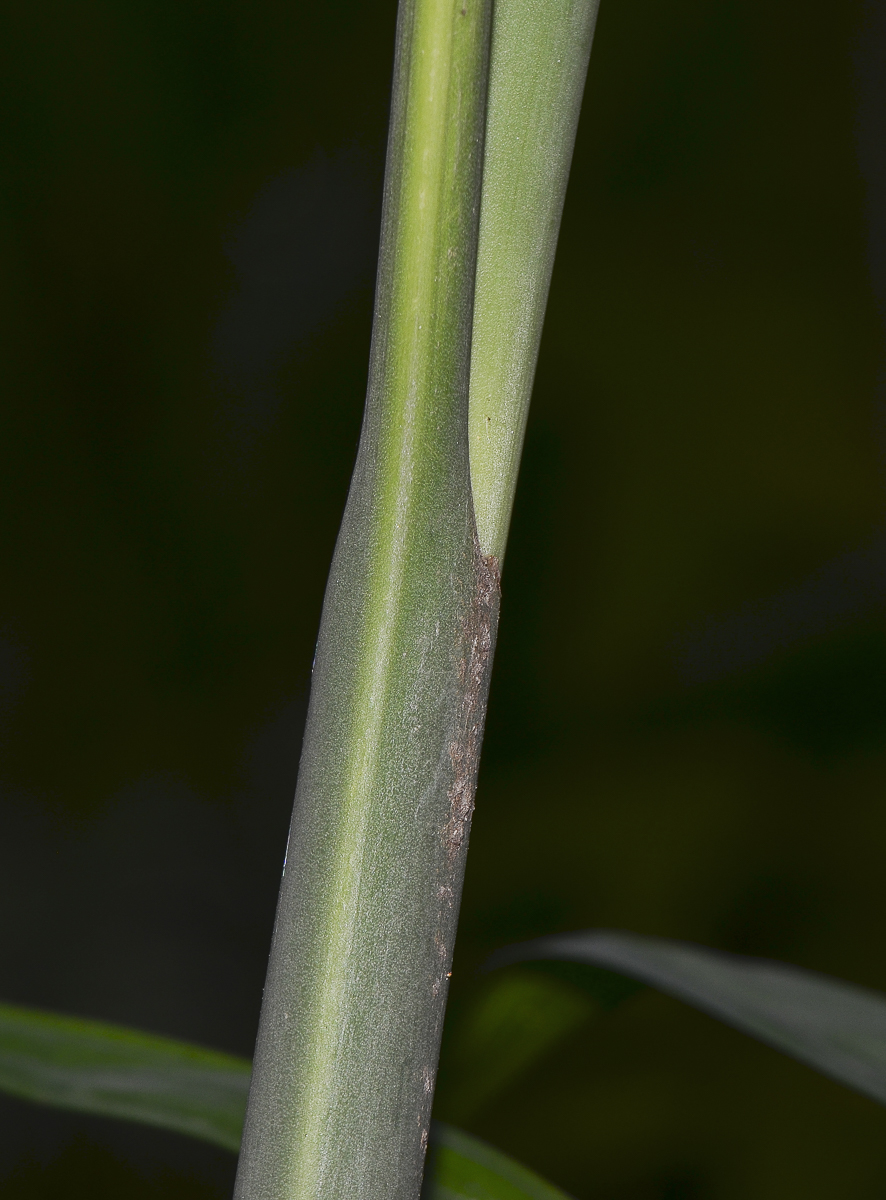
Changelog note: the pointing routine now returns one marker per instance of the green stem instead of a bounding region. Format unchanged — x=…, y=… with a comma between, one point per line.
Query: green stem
x=353, y=1007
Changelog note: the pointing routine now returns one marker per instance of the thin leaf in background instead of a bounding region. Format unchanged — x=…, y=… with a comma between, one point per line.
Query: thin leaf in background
x=112, y=1071
x=116, y=1072
x=835, y=1027
x=461, y=1167
x=515, y=1021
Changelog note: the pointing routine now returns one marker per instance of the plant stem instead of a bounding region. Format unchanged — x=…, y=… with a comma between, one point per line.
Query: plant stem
x=350, y=1027
x=353, y=1009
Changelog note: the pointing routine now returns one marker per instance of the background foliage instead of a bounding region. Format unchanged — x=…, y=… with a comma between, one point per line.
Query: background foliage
x=687, y=729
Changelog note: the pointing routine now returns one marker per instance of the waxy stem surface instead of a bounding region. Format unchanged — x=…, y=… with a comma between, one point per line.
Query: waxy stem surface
x=352, y=1015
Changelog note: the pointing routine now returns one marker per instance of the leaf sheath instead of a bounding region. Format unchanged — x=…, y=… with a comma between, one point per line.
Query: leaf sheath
x=540, y=52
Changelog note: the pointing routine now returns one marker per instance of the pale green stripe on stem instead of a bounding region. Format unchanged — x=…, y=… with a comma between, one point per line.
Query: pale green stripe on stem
x=413, y=304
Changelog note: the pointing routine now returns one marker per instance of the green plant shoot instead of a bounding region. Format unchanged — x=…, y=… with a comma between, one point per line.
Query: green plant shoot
x=350, y=1029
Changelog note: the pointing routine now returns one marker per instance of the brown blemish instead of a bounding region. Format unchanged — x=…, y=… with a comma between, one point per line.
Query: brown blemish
x=475, y=642
x=478, y=640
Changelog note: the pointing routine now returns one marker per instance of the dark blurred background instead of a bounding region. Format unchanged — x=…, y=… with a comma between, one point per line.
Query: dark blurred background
x=687, y=734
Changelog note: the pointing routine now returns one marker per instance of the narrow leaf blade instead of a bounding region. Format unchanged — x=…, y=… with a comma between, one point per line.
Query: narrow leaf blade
x=115, y=1072
x=512, y=1024
x=461, y=1167
x=112, y=1071
x=835, y=1027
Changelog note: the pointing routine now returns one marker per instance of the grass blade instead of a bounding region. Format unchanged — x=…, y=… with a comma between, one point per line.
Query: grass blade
x=835, y=1027
x=111, y=1071
x=116, y=1072
x=513, y=1023
x=461, y=1167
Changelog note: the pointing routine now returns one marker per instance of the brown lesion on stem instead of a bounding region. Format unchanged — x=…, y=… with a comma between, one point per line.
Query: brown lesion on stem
x=476, y=645
x=479, y=627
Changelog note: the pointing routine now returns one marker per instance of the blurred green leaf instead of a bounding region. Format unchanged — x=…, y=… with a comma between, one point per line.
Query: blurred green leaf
x=606, y=990
x=512, y=1024
x=117, y=1072
x=835, y=1027
x=461, y=1167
